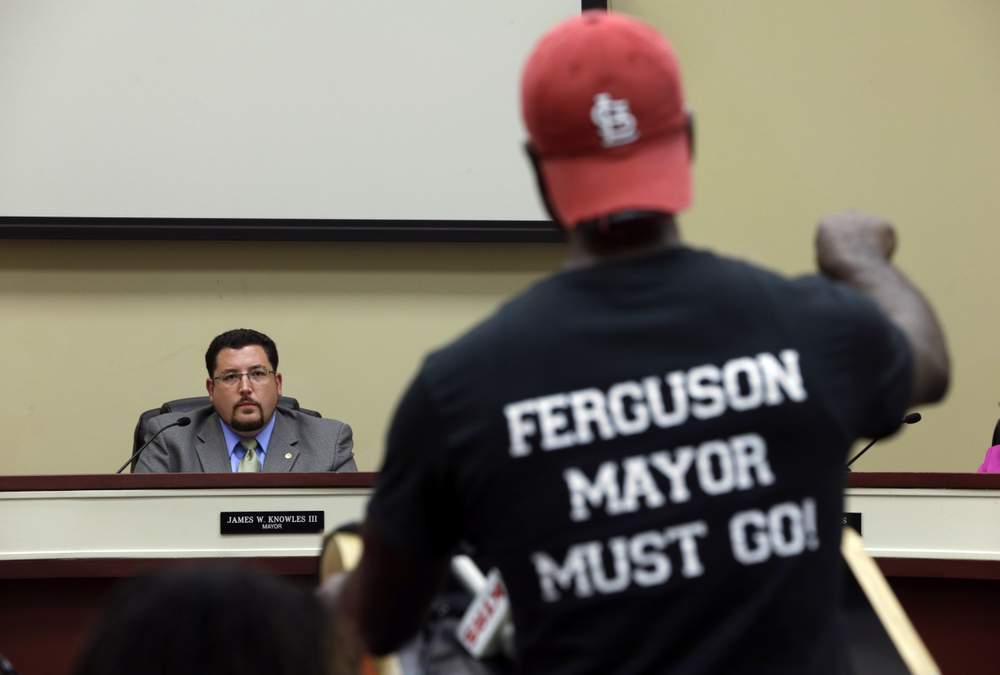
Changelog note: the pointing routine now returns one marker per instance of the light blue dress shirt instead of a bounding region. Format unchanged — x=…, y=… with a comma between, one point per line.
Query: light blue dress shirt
x=236, y=451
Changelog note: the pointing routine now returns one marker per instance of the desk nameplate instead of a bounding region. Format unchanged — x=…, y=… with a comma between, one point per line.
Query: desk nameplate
x=271, y=522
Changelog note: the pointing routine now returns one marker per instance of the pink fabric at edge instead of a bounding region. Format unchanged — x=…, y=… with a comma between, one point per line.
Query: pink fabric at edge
x=991, y=462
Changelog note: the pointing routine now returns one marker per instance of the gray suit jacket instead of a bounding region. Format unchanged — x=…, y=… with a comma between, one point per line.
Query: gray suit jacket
x=299, y=442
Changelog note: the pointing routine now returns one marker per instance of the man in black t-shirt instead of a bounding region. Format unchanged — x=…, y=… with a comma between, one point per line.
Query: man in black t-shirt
x=649, y=445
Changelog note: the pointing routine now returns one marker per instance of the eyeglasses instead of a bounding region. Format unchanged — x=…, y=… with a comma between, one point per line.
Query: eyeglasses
x=234, y=378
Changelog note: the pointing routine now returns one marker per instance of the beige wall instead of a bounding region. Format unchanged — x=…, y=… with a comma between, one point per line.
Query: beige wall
x=802, y=108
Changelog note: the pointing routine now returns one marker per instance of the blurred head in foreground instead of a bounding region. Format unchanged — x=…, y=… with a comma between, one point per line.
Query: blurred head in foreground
x=609, y=134
x=211, y=620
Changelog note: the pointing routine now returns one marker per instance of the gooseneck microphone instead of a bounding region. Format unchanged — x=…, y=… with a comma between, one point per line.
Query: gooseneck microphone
x=179, y=422
x=912, y=418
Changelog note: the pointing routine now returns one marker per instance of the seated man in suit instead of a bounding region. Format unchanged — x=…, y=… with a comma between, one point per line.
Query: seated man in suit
x=244, y=429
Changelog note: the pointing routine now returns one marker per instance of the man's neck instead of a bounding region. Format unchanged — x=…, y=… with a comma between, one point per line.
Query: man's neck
x=592, y=246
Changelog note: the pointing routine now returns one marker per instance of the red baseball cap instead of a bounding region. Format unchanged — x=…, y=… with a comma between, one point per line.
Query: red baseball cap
x=602, y=101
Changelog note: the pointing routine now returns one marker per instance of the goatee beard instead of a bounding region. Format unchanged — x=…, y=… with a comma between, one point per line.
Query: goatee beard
x=239, y=425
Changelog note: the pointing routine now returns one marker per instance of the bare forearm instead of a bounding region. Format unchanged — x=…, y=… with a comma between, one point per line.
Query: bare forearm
x=906, y=307
x=856, y=248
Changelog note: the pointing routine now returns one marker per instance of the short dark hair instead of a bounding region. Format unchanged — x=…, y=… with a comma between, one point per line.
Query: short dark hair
x=237, y=339
x=216, y=619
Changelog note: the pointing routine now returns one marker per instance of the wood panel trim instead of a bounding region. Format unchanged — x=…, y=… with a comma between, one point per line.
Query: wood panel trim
x=963, y=481
x=939, y=568
x=91, y=568
x=958, y=481
x=156, y=481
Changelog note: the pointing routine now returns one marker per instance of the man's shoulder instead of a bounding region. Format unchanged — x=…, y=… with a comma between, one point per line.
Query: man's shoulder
x=304, y=420
x=508, y=319
x=198, y=416
x=476, y=347
x=740, y=273
x=802, y=292
x=519, y=316
x=818, y=294
x=326, y=444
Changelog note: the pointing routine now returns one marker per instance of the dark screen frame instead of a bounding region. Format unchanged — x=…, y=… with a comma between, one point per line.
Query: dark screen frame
x=284, y=229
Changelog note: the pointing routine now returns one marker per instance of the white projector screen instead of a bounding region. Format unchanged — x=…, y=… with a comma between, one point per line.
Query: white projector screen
x=282, y=116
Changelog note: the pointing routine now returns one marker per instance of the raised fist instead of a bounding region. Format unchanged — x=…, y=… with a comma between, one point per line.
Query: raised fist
x=850, y=241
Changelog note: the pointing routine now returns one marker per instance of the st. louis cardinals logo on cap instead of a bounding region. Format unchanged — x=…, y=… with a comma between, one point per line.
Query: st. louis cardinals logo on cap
x=614, y=121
